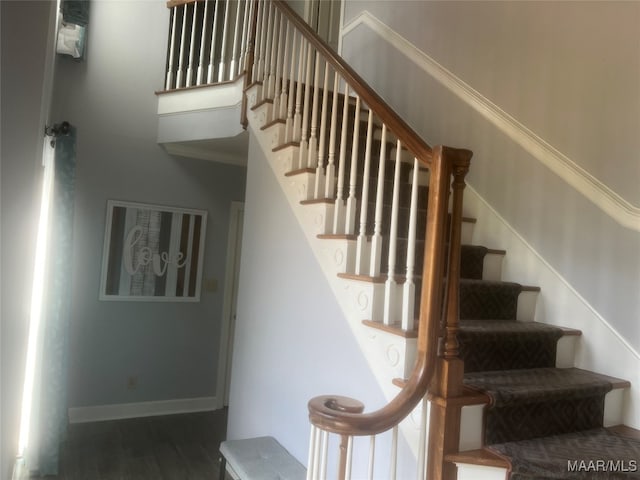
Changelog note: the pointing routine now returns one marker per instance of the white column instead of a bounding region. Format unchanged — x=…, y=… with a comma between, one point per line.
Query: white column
x=234, y=49
x=339, y=211
x=212, y=52
x=192, y=45
x=223, y=49
x=180, y=77
x=172, y=46
x=330, y=183
x=203, y=37
x=320, y=173
x=304, y=145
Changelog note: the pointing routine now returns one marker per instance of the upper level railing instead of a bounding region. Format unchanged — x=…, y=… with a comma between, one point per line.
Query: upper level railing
x=351, y=139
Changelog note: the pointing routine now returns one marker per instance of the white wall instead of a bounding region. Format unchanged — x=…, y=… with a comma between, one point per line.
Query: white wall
x=567, y=71
x=23, y=64
x=292, y=341
x=171, y=348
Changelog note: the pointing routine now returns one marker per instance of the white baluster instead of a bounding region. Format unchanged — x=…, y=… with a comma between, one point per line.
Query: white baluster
x=409, y=287
x=271, y=79
x=422, y=443
x=350, y=222
x=304, y=145
x=372, y=456
x=313, y=453
x=267, y=52
x=394, y=453
x=212, y=52
x=312, y=159
x=203, y=37
x=376, y=239
x=291, y=99
x=282, y=110
x=246, y=15
x=349, y=458
x=278, y=79
x=263, y=33
x=223, y=49
x=297, y=116
x=179, y=83
x=390, y=284
x=339, y=212
x=320, y=179
x=330, y=183
x=192, y=45
x=361, y=260
x=234, y=48
x=169, y=82
x=324, y=455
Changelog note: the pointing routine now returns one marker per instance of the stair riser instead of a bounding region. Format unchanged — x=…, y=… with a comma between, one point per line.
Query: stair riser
x=480, y=472
x=473, y=419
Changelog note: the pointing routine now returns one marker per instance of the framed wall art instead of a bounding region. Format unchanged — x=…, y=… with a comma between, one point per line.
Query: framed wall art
x=152, y=253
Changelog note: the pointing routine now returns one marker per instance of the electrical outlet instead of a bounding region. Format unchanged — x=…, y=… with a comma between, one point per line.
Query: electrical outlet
x=132, y=383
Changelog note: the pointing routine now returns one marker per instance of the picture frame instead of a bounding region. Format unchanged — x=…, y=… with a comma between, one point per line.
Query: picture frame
x=152, y=253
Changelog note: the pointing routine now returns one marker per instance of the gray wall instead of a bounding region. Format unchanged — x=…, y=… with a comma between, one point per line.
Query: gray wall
x=291, y=341
x=569, y=72
x=172, y=348
x=21, y=154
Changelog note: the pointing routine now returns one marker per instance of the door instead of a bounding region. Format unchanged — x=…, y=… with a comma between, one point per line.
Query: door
x=324, y=18
x=234, y=247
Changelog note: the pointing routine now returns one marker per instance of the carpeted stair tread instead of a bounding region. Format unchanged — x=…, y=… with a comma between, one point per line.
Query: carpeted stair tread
x=533, y=385
x=472, y=261
x=487, y=345
x=556, y=457
x=488, y=300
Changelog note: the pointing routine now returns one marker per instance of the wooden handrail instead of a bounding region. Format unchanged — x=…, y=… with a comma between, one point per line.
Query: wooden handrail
x=327, y=412
x=394, y=122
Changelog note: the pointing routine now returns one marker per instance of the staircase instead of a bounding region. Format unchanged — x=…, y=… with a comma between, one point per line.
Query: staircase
x=383, y=214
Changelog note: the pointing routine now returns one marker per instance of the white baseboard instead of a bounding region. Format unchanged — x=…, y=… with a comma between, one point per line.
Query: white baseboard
x=117, y=411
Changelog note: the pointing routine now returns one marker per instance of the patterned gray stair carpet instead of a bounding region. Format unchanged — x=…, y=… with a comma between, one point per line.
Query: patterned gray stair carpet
x=487, y=345
x=592, y=454
x=488, y=300
x=472, y=261
x=538, y=402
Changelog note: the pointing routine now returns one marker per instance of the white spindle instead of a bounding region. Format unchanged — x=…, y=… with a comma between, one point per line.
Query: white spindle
x=234, y=48
x=361, y=260
x=282, y=110
x=376, y=239
x=291, y=99
x=179, y=83
x=262, y=22
x=390, y=284
x=267, y=51
x=304, y=137
x=212, y=52
x=273, y=60
x=339, y=211
x=313, y=136
x=277, y=82
x=349, y=458
x=192, y=45
x=172, y=47
x=313, y=453
x=350, y=223
x=297, y=116
x=409, y=287
x=320, y=180
x=203, y=36
x=246, y=15
x=372, y=456
x=394, y=453
x=331, y=168
x=223, y=49
x=324, y=455
x=422, y=443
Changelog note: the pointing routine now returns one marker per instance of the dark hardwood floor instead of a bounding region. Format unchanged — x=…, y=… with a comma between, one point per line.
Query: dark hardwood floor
x=171, y=447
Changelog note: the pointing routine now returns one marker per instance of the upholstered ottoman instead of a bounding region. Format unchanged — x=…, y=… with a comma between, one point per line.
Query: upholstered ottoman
x=261, y=458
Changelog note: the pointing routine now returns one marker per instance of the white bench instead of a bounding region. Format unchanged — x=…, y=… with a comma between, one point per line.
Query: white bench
x=261, y=458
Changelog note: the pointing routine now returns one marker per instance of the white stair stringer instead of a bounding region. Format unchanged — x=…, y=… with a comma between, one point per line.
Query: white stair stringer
x=385, y=352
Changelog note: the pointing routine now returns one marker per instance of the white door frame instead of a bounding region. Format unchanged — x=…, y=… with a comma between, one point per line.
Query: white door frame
x=232, y=272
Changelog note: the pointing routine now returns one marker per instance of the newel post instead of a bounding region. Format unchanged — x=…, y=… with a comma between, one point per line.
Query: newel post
x=444, y=434
x=248, y=71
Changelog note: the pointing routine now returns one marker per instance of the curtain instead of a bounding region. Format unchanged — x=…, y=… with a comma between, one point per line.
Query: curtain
x=52, y=389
